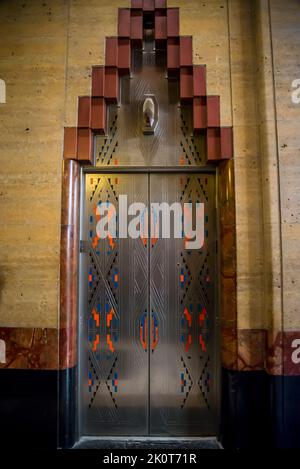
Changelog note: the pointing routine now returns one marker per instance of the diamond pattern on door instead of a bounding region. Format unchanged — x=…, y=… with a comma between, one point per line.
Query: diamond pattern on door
x=149, y=362
x=114, y=364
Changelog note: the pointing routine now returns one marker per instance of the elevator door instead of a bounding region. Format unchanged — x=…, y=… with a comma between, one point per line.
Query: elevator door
x=148, y=342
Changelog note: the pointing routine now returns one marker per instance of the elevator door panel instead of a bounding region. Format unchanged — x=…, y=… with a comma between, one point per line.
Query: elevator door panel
x=183, y=376
x=149, y=351
x=114, y=362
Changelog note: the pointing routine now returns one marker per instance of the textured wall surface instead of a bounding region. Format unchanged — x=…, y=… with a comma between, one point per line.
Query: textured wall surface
x=250, y=49
x=33, y=63
x=46, y=51
x=286, y=56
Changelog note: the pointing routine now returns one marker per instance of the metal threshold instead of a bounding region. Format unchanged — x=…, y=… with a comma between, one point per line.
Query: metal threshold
x=182, y=443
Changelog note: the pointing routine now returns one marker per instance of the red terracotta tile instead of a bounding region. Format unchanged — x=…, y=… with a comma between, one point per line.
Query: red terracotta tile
x=124, y=22
x=199, y=80
x=137, y=4
x=111, y=87
x=173, y=53
x=84, y=106
x=186, y=51
x=124, y=61
x=160, y=4
x=98, y=115
x=111, y=52
x=213, y=144
x=226, y=143
x=98, y=82
x=70, y=143
x=186, y=83
x=136, y=28
x=148, y=5
x=173, y=22
x=213, y=111
x=160, y=26
x=85, y=146
x=200, y=113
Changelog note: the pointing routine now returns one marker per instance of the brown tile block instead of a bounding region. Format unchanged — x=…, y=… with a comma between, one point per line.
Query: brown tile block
x=226, y=143
x=186, y=51
x=199, y=80
x=98, y=82
x=136, y=28
x=199, y=113
x=160, y=4
x=85, y=146
x=124, y=61
x=213, y=144
x=173, y=53
x=186, y=83
x=111, y=52
x=137, y=4
x=84, y=109
x=124, y=22
x=111, y=86
x=173, y=22
x=98, y=115
x=213, y=111
x=70, y=143
x=148, y=5
x=160, y=26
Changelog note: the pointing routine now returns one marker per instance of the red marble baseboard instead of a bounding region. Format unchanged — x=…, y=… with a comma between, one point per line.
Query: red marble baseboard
x=284, y=353
x=242, y=349
x=37, y=348
x=30, y=348
x=252, y=349
x=258, y=349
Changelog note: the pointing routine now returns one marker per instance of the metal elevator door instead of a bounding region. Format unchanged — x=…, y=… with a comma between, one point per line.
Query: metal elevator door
x=148, y=336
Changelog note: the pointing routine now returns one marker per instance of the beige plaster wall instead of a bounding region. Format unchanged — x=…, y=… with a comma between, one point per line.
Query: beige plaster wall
x=33, y=46
x=249, y=227
x=285, y=36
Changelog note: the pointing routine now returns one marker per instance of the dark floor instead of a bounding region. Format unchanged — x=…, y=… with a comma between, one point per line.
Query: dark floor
x=143, y=443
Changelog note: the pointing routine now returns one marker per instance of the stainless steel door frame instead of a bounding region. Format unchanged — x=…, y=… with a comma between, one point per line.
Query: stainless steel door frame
x=211, y=170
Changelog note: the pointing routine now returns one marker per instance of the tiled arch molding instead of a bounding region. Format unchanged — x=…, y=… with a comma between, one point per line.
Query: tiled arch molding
x=252, y=412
